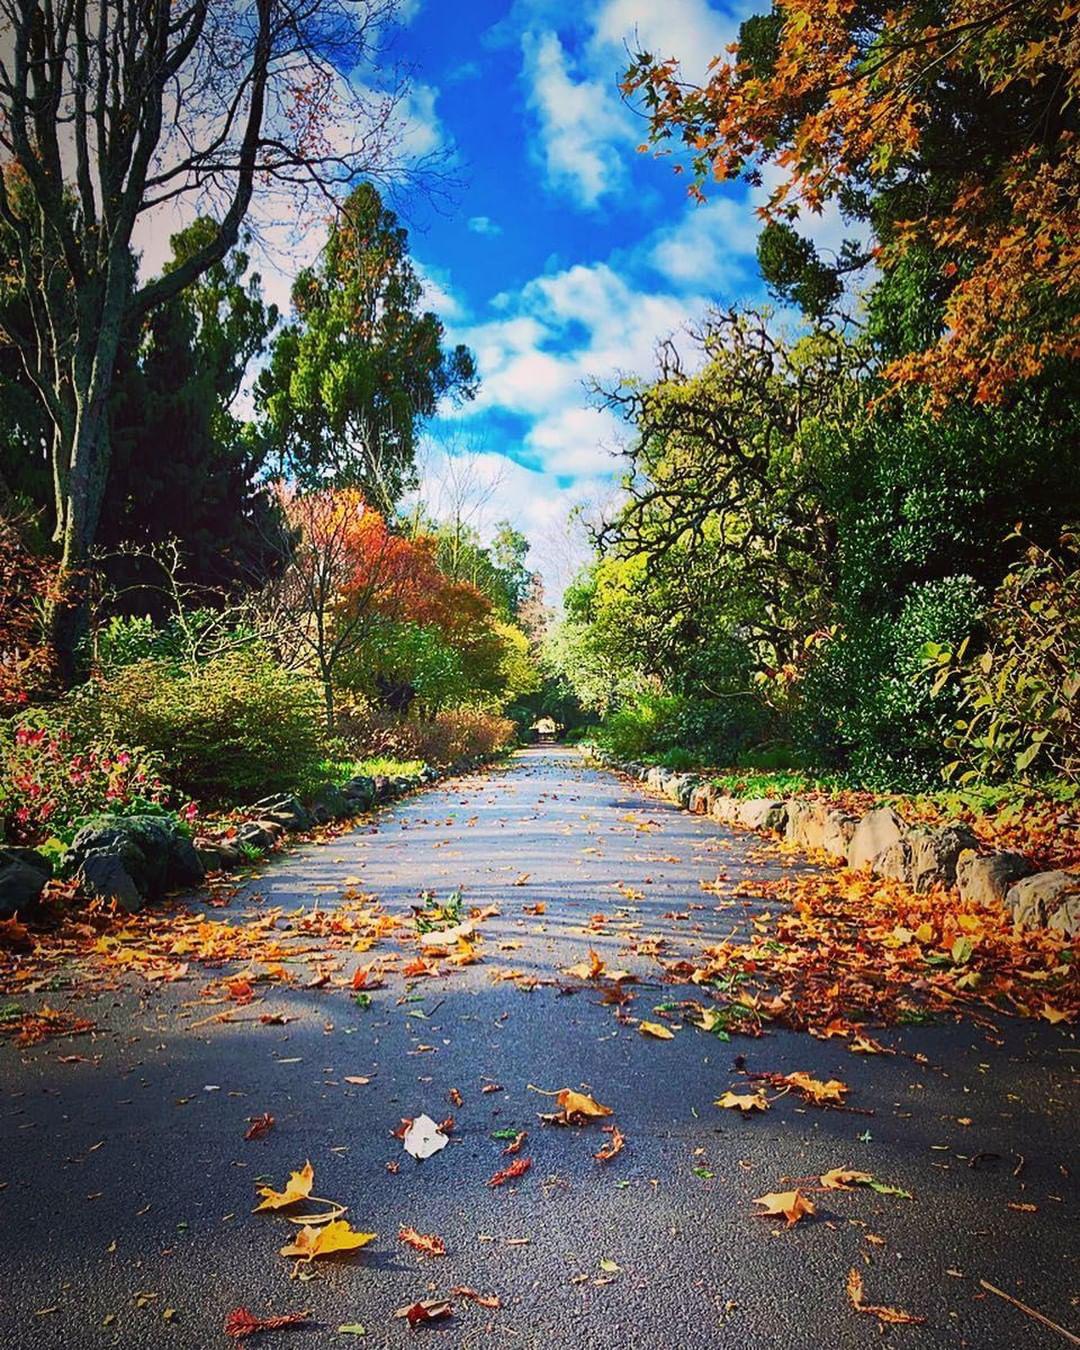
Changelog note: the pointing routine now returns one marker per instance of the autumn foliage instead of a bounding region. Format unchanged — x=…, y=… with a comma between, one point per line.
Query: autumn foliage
x=962, y=113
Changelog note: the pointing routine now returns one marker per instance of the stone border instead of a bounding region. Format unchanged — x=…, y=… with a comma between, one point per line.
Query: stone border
x=881, y=842
x=135, y=859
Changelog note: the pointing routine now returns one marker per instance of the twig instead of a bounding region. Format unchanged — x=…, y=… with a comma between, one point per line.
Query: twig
x=1038, y=1316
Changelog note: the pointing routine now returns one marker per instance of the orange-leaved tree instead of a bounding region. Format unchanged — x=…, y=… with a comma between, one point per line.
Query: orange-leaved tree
x=951, y=126
x=347, y=569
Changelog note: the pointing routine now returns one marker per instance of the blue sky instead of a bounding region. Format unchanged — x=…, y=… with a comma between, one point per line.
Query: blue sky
x=565, y=254
x=562, y=254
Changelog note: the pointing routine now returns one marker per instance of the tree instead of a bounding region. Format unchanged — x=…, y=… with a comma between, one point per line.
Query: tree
x=951, y=127
x=350, y=381
x=346, y=572
x=184, y=466
x=108, y=111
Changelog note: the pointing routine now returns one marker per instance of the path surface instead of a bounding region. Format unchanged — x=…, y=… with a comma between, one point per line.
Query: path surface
x=126, y=1176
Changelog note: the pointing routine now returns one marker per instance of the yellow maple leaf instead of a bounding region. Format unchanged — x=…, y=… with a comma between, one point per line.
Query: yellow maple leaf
x=591, y=969
x=815, y=1088
x=327, y=1241
x=793, y=1205
x=580, y=1104
x=743, y=1101
x=661, y=1033
x=841, y=1178
x=1053, y=1015
x=298, y=1188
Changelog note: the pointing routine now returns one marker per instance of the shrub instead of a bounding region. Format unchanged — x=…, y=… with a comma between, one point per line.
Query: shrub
x=50, y=784
x=232, y=730
x=1020, y=696
x=863, y=706
x=710, y=731
x=442, y=739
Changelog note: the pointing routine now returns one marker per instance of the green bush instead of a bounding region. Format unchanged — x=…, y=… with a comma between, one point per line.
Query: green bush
x=706, y=731
x=864, y=708
x=230, y=731
x=1020, y=695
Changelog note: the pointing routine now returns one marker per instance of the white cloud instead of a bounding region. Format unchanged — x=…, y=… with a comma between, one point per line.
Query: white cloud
x=484, y=225
x=580, y=123
x=711, y=247
x=692, y=31
x=421, y=130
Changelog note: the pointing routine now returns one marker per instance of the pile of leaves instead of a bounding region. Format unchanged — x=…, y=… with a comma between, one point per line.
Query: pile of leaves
x=844, y=949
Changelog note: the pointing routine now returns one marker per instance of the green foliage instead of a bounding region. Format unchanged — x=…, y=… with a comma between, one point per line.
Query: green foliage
x=659, y=725
x=1020, y=695
x=349, y=383
x=862, y=706
x=231, y=730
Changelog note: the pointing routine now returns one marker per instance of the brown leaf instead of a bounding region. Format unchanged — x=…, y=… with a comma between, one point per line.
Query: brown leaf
x=240, y=1322
x=792, y=1205
x=484, y=1300
x=259, y=1125
x=426, y=1310
x=895, y=1316
x=511, y=1172
x=514, y=1146
x=425, y=1243
x=743, y=1101
x=614, y=1145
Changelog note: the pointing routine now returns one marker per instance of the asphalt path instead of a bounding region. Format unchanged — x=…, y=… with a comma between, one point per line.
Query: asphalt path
x=127, y=1186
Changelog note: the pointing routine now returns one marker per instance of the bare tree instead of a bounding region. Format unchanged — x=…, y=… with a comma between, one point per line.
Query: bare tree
x=111, y=109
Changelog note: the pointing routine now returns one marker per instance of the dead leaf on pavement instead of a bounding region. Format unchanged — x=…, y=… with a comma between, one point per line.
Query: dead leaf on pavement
x=614, y=1145
x=423, y=1137
x=298, y=1188
x=515, y=1144
x=511, y=1172
x=841, y=1179
x=240, y=1322
x=743, y=1101
x=334, y=1238
x=426, y=1310
x=425, y=1243
x=656, y=1029
x=856, y=1294
x=792, y=1205
x=259, y=1125
x=577, y=1107
x=483, y=1300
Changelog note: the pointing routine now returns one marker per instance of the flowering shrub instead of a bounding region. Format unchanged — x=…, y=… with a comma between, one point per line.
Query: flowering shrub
x=50, y=784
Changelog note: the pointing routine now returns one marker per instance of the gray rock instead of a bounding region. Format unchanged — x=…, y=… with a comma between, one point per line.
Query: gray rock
x=1066, y=918
x=985, y=879
x=817, y=827
x=218, y=855
x=654, y=777
x=1037, y=900
x=935, y=853
x=763, y=813
x=329, y=802
x=725, y=809
x=701, y=799
x=260, y=834
x=837, y=831
x=104, y=876
x=285, y=810
x=156, y=854
x=679, y=786
x=876, y=831
x=894, y=862
x=359, y=793
x=23, y=875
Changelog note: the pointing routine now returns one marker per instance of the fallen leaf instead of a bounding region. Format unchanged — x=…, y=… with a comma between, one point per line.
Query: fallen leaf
x=614, y=1145
x=511, y=1172
x=259, y=1125
x=298, y=1188
x=577, y=1107
x=856, y=1294
x=661, y=1033
x=484, y=1300
x=841, y=1179
x=357, y=1079
x=425, y=1243
x=743, y=1101
x=815, y=1090
x=335, y=1237
x=426, y=1310
x=793, y=1205
x=240, y=1322
x=514, y=1146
